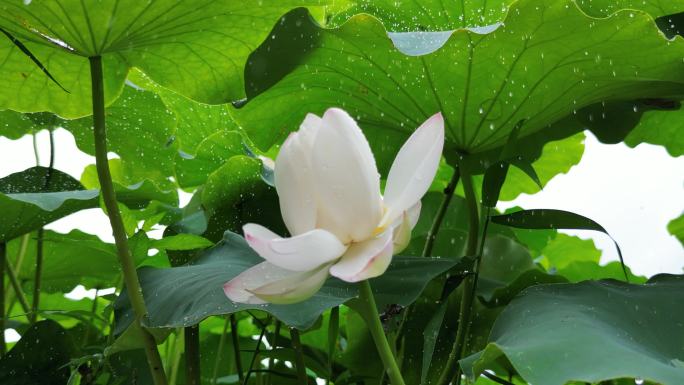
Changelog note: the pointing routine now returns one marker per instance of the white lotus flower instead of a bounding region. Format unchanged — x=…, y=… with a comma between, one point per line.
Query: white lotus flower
x=329, y=190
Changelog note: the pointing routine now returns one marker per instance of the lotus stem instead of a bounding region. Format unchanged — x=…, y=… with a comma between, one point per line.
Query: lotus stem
x=369, y=311
x=109, y=196
x=192, y=355
x=3, y=255
x=441, y=212
x=271, y=359
x=219, y=351
x=451, y=368
x=38, y=277
x=236, y=348
x=333, y=329
x=299, y=356
x=16, y=285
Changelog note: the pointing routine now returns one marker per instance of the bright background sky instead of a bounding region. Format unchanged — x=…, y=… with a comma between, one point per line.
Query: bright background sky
x=633, y=193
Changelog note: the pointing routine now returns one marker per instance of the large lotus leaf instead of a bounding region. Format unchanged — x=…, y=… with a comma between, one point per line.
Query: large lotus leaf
x=443, y=15
x=429, y=15
x=196, y=48
x=183, y=296
x=68, y=260
x=195, y=121
x=140, y=130
x=591, y=331
x=27, y=205
x=547, y=60
x=656, y=8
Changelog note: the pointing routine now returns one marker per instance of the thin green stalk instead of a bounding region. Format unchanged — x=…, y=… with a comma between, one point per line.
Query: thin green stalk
x=17, y=266
x=274, y=345
x=368, y=309
x=299, y=356
x=192, y=355
x=3, y=255
x=219, y=351
x=257, y=350
x=36, y=155
x=16, y=285
x=38, y=277
x=430, y=241
x=93, y=316
x=464, y=319
x=109, y=196
x=496, y=379
x=439, y=217
x=175, y=357
x=236, y=348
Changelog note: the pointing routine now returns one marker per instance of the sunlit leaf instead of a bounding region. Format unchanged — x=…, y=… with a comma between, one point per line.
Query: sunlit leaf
x=198, y=49
x=676, y=228
x=565, y=249
x=429, y=15
x=660, y=128
x=182, y=242
x=578, y=271
x=140, y=130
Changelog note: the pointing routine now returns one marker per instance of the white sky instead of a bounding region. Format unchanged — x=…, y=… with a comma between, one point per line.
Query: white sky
x=633, y=193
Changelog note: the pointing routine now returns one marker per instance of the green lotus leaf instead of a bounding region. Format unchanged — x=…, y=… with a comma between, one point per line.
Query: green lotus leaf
x=196, y=48
x=548, y=60
x=603, y=330
x=183, y=296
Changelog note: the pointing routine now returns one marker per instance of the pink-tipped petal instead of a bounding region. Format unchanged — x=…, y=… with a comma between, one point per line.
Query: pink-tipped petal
x=294, y=178
x=237, y=289
x=294, y=288
x=346, y=178
x=414, y=168
x=303, y=252
x=365, y=260
x=401, y=234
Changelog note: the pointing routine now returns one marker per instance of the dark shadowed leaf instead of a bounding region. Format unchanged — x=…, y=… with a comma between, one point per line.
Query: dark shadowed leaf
x=26, y=206
x=69, y=260
x=183, y=296
x=39, y=357
x=591, y=331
